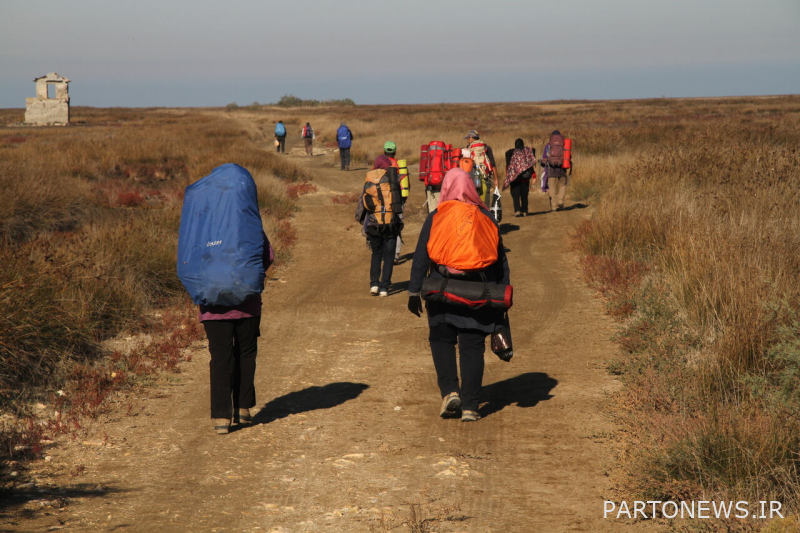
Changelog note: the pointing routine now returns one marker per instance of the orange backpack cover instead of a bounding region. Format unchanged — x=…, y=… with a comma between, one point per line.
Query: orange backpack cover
x=462, y=237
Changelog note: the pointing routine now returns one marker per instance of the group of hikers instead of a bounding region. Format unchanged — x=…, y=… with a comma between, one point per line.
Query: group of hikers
x=344, y=139
x=459, y=267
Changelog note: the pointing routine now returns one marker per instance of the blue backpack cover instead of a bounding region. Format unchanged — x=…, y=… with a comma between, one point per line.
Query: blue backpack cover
x=221, y=239
x=344, y=137
x=280, y=129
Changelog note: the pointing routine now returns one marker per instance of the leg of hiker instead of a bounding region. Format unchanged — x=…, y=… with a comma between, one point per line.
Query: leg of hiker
x=307, y=141
x=471, y=347
x=442, y=339
x=282, y=147
x=347, y=159
x=552, y=189
x=515, y=196
x=342, y=156
x=246, y=332
x=389, y=246
x=376, y=246
x=524, y=189
x=562, y=191
x=220, y=345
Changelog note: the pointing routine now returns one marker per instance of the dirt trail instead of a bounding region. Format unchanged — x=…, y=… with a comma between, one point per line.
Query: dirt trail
x=348, y=436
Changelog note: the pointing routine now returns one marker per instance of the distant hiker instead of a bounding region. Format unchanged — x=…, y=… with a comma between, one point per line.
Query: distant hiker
x=308, y=138
x=520, y=169
x=379, y=210
x=557, y=159
x=388, y=160
x=484, y=164
x=345, y=139
x=280, y=136
x=447, y=252
x=223, y=254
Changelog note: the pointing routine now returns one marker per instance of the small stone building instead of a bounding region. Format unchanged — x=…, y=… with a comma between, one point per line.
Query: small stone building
x=51, y=103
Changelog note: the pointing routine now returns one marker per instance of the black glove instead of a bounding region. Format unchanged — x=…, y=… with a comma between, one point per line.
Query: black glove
x=415, y=304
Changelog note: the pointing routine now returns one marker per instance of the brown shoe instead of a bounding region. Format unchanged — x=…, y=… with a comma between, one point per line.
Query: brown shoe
x=245, y=417
x=451, y=406
x=470, y=416
x=222, y=425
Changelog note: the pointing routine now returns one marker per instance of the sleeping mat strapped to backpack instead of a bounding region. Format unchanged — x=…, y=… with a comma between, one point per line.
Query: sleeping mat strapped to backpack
x=221, y=239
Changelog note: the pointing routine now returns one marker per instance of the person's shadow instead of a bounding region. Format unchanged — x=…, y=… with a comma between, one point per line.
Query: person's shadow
x=309, y=399
x=506, y=228
x=525, y=390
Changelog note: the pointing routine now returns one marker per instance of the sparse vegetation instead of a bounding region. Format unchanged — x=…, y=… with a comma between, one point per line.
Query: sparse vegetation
x=290, y=100
x=88, y=225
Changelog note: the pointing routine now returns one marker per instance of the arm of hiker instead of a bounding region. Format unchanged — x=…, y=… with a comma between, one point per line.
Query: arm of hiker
x=502, y=262
x=268, y=256
x=422, y=261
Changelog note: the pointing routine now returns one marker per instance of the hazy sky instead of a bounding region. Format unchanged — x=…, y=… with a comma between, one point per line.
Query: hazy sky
x=171, y=53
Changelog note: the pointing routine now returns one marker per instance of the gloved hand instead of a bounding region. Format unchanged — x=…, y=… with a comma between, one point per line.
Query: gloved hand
x=415, y=304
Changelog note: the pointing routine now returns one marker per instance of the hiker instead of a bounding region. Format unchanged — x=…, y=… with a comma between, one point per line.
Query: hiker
x=308, y=138
x=387, y=160
x=451, y=324
x=379, y=210
x=280, y=136
x=483, y=157
x=557, y=160
x=345, y=139
x=226, y=282
x=520, y=168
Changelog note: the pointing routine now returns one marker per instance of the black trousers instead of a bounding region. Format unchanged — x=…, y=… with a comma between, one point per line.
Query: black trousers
x=281, y=144
x=519, y=193
x=471, y=347
x=233, y=345
x=344, y=156
x=383, y=248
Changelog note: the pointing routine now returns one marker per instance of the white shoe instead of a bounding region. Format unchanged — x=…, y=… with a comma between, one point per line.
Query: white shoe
x=384, y=293
x=373, y=290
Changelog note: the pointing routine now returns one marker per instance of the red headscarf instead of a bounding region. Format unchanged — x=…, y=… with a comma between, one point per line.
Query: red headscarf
x=457, y=185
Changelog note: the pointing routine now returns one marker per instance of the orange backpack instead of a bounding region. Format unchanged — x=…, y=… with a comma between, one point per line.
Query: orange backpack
x=381, y=195
x=462, y=237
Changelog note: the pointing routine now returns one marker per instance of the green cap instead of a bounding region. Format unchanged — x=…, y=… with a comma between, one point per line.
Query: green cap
x=389, y=147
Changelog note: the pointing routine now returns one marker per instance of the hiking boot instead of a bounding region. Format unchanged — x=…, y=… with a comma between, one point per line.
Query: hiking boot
x=373, y=290
x=451, y=405
x=518, y=215
x=470, y=416
x=222, y=425
x=245, y=417
x=384, y=293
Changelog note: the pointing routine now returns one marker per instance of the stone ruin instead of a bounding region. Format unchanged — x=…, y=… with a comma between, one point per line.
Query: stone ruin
x=44, y=110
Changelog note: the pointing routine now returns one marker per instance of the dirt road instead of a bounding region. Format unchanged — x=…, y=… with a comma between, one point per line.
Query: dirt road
x=348, y=437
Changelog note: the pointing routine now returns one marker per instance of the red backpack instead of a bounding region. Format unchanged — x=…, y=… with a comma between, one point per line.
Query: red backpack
x=435, y=159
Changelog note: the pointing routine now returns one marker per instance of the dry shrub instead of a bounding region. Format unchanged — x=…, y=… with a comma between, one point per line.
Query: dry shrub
x=713, y=210
x=88, y=221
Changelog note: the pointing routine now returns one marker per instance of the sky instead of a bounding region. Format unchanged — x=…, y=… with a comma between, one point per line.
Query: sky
x=148, y=53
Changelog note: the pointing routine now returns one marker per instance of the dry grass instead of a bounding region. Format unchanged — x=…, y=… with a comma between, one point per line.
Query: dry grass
x=88, y=231
x=693, y=239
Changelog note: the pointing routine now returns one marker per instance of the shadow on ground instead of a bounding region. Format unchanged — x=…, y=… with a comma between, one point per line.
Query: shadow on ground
x=525, y=390
x=47, y=499
x=309, y=399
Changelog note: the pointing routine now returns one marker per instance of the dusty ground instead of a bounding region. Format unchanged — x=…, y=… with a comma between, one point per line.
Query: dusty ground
x=348, y=437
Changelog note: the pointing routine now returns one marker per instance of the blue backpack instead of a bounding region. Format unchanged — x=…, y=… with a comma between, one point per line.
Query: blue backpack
x=221, y=241
x=280, y=129
x=344, y=137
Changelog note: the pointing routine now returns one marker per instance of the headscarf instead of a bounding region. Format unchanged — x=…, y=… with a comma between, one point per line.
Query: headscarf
x=457, y=185
x=521, y=160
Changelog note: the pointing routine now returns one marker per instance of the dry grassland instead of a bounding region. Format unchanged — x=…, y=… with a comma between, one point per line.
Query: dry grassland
x=694, y=240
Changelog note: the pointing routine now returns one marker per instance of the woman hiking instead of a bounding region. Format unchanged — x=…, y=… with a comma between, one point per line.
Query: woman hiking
x=451, y=324
x=520, y=168
x=223, y=254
